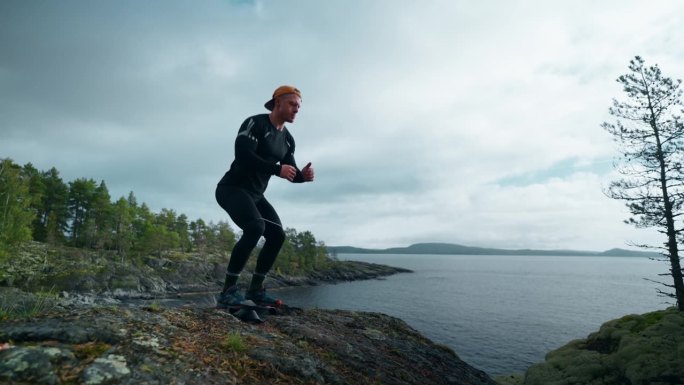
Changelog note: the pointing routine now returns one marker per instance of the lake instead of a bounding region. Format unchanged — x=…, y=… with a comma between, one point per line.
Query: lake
x=500, y=314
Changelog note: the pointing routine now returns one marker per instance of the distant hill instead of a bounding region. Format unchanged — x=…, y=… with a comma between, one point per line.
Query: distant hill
x=454, y=249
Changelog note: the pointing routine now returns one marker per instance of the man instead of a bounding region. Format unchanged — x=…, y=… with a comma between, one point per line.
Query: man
x=263, y=147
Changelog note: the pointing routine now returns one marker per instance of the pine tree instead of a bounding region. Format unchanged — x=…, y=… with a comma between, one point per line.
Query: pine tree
x=123, y=227
x=37, y=190
x=16, y=215
x=650, y=132
x=102, y=214
x=54, y=214
x=182, y=229
x=198, y=233
x=81, y=197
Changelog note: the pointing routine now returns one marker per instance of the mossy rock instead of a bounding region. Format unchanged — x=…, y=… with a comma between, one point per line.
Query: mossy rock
x=70, y=280
x=126, y=282
x=511, y=379
x=635, y=349
x=566, y=366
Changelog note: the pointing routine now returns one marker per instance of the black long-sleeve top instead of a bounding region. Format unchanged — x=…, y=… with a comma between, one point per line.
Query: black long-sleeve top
x=260, y=150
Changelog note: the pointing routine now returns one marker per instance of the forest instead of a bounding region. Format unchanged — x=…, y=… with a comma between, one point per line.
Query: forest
x=39, y=206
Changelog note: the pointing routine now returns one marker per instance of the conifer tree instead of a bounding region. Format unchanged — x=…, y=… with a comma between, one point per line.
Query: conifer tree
x=102, y=214
x=53, y=212
x=123, y=227
x=15, y=203
x=80, y=203
x=182, y=229
x=198, y=233
x=650, y=132
x=37, y=190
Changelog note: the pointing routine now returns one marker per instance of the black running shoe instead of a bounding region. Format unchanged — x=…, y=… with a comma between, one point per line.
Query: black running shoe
x=261, y=298
x=230, y=298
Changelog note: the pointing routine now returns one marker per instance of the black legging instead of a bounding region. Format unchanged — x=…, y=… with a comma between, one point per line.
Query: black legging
x=256, y=217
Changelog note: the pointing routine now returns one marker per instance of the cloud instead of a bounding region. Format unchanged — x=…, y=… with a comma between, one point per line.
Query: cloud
x=433, y=121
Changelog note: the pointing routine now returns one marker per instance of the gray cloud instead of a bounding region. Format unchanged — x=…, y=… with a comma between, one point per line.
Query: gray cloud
x=413, y=113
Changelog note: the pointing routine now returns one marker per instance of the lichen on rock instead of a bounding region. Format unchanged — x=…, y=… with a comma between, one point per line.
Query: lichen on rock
x=106, y=370
x=27, y=365
x=114, y=345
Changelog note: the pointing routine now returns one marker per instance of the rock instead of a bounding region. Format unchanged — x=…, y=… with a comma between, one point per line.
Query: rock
x=67, y=329
x=511, y=379
x=202, y=345
x=152, y=284
x=376, y=348
x=125, y=282
x=85, y=299
x=27, y=365
x=339, y=271
x=302, y=365
x=635, y=349
x=106, y=370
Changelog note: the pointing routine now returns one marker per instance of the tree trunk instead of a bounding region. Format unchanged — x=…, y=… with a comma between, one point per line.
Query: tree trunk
x=669, y=218
x=679, y=287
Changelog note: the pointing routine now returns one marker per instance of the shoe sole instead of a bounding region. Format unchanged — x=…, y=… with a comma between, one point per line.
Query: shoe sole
x=253, y=306
x=276, y=304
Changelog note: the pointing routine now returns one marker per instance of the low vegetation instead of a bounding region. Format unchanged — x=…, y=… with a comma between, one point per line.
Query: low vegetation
x=18, y=305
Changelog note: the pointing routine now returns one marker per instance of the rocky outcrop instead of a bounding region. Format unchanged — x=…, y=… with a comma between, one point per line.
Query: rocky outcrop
x=636, y=349
x=202, y=345
x=339, y=271
x=39, y=267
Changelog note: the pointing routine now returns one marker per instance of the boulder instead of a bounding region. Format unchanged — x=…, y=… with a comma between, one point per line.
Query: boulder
x=635, y=349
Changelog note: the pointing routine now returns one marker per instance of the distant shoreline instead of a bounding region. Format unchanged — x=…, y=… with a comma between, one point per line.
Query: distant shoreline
x=455, y=249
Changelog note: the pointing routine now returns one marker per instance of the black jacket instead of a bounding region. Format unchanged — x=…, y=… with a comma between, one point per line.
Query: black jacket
x=260, y=149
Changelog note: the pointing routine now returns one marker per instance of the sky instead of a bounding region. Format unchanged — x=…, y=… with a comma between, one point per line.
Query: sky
x=477, y=123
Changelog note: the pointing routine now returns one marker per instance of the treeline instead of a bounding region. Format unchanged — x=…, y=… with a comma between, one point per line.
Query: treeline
x=39, y=205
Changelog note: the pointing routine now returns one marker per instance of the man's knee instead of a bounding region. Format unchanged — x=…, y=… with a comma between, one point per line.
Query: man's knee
x=254, y=229
x=275, y=234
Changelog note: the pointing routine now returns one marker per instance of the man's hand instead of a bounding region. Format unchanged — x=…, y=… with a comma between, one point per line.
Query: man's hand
x=287, y=172
x=308, y=173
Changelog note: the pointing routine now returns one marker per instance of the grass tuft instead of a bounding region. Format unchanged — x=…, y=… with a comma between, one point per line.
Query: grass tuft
x=234, y=342
x=15, y=304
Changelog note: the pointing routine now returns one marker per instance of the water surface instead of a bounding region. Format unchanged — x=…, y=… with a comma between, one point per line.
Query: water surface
x=498, y=313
